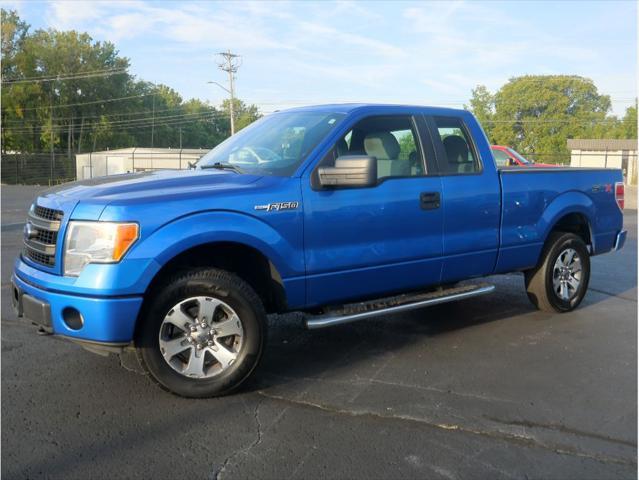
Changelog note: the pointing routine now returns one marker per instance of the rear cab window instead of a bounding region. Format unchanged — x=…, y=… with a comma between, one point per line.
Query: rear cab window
x=457, y=152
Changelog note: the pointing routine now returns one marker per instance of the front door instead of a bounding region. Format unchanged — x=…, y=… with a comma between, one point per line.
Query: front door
x=362, y=242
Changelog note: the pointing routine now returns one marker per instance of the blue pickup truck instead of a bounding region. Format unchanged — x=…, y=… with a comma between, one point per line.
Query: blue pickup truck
x=342, y=212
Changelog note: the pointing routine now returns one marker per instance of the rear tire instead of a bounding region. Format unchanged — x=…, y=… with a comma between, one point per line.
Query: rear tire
x=560, y=280
x=201, y=333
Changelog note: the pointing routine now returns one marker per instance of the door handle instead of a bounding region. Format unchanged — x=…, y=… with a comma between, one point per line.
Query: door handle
x=429, y=200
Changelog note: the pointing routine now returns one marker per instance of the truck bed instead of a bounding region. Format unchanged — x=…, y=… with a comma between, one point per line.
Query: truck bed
x=532, y=197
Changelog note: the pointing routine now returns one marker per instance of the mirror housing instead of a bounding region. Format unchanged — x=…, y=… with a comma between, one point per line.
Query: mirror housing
x=350, y=171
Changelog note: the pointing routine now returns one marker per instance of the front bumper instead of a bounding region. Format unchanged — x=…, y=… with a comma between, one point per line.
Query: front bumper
x=102, y=320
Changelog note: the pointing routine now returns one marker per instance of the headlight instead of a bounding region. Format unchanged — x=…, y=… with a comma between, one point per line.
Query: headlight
x=96, y=242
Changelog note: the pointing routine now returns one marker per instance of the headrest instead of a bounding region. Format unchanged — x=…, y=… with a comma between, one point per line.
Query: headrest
x=456, y=149
x=341, y=147
x=382, y=145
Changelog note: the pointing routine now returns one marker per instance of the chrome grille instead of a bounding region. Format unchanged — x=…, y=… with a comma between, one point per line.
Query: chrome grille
x=38, y=257
x=45, y=236
x=41, y=235
x=47, y=213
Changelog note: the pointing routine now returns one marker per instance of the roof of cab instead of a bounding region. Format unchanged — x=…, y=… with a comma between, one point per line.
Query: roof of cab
x=372, y=108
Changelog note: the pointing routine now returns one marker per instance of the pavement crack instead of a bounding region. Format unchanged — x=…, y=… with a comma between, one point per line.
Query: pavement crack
x=440, y=390
x=497, y=435
x=217, y=475
x=130, y=369
x=563, y=429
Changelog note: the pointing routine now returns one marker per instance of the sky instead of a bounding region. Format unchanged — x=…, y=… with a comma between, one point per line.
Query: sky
x=302, y=52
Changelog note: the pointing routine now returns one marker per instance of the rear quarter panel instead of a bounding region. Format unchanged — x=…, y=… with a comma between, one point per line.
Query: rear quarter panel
x=534, y=200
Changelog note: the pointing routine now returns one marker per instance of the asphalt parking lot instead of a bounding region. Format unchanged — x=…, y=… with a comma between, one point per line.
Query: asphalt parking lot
x=484, y=388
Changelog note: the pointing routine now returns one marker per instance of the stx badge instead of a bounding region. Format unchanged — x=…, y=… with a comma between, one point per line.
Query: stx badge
x=277, y=206
x=607, y=187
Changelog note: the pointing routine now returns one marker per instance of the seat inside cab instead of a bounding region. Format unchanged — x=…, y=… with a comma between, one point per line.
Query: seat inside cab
x=392, y=140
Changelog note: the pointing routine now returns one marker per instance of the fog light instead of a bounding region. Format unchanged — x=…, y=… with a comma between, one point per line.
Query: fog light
x=72, y=318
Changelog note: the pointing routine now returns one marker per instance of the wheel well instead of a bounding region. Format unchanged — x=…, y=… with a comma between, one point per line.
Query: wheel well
x=575, y=223
x=246, y=262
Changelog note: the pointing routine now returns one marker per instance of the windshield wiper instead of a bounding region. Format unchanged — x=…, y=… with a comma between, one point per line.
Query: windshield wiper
x=223, y=166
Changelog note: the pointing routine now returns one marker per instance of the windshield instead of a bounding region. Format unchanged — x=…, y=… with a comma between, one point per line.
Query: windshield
x=518, y=156
x=274, y=145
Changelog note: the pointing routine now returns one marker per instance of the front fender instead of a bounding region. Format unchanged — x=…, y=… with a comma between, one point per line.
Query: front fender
x=219, y=226
x=135, y=272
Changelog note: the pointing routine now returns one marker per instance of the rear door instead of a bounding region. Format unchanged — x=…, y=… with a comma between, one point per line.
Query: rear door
x=470, y=199
x=365, y=242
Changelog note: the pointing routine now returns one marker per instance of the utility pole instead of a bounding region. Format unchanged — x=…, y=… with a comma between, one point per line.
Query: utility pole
x=153, y=121
x=230, y=64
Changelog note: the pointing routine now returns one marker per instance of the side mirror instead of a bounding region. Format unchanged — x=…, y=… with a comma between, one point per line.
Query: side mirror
x=350, y=171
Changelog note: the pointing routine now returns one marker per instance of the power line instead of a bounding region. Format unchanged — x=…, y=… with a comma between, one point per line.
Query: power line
x=339, y=102
x=94, y=102
x=63, y=75
x=281, y=102
x=62, y=79
x=138, y=122
x=108, y=115
x=219, y=114
x=555, y=120
x=145, y=121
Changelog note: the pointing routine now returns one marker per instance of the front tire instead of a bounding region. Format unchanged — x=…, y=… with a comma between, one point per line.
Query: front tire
x=201, y=333
x=560, y=280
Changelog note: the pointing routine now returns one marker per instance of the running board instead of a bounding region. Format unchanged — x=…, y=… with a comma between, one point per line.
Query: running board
x=401, y=303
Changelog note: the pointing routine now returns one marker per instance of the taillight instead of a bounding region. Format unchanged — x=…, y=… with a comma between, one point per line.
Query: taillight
x=619, y=194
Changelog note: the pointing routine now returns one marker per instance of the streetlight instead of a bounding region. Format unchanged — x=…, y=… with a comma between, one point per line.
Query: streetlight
x=230, y=92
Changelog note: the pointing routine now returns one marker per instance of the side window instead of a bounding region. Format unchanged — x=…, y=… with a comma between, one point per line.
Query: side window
x=392, y=140
x=501, y=158
x=460, y=157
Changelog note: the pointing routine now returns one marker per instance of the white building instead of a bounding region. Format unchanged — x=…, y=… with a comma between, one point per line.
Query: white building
x=605, y=153
x=123, y=160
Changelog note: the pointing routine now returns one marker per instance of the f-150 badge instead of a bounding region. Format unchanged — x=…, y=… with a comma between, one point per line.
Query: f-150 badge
x=277, y=206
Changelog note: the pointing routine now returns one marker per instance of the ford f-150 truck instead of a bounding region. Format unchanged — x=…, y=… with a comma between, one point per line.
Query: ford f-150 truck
x=342, y=212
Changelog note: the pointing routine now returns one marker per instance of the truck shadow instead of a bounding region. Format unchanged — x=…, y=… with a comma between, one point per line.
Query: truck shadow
x=294, y=353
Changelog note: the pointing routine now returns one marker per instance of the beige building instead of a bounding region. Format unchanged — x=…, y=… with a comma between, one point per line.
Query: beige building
x=125, y=160
x=605, y=153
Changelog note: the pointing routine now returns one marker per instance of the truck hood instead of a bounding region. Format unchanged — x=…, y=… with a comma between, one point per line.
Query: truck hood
x=139, y=183
x=92, y=196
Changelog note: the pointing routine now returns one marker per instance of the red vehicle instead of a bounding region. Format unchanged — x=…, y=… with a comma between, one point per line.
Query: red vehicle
x=507, y=157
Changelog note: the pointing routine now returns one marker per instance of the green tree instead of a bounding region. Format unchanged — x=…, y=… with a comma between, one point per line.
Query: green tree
x=14, y=31
x=629, y=122
x=244, y=114
x=63, y=90
x=536, y=114
x=482, y=105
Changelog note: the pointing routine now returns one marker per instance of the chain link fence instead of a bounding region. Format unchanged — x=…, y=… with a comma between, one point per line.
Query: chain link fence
x=36, y=168
x=56, y=168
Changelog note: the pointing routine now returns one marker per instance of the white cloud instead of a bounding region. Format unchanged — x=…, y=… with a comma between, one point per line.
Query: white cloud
x=428, y=52
x=318, y=32
x=69, y=15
